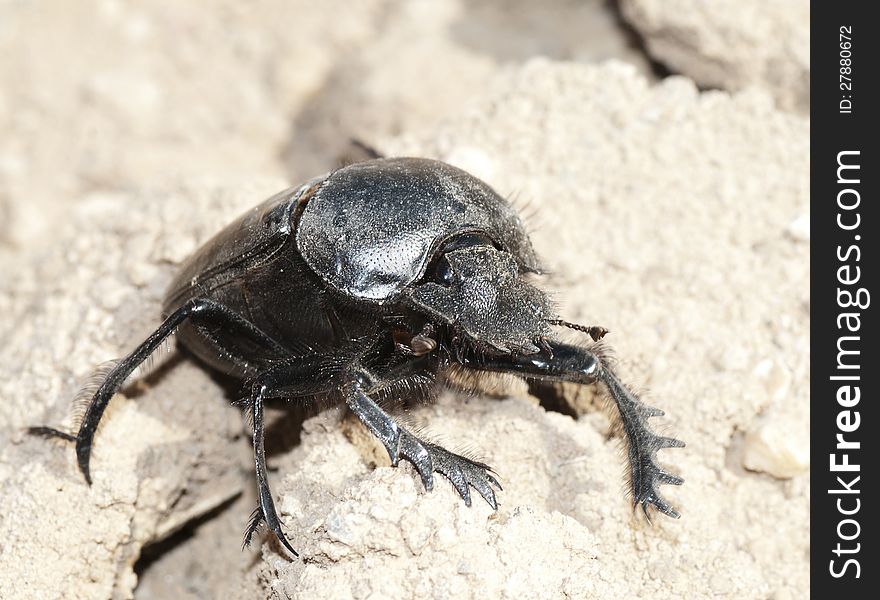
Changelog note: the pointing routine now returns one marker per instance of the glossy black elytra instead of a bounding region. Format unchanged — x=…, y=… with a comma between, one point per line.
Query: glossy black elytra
x=382, y=272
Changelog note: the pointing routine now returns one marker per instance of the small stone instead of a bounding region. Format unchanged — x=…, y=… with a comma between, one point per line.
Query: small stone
x=733, y=45
x=799, y=228
x=775, y=377
x=773, y=447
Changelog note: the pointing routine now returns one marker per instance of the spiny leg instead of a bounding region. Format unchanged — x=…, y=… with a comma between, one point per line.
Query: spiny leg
x=564, y=362
x=642, y=447
x=292, y=378
x=197, y=311
x=266, y=509
x=427, y=458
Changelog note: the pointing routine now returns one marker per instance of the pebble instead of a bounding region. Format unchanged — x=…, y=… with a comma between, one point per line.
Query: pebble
x=773, y=447
x=799, y=228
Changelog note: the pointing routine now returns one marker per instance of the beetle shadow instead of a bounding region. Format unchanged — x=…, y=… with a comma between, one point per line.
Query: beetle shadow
x=283, y=422
x=284, y=418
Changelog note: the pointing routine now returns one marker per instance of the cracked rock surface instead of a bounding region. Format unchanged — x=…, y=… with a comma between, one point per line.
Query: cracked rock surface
x=730, y=44
x=677, y=219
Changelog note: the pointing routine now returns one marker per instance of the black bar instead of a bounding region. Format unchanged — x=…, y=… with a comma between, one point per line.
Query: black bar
x=844, y=228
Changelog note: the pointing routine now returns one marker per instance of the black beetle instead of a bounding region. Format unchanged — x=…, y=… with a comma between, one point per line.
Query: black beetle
x=381, y=273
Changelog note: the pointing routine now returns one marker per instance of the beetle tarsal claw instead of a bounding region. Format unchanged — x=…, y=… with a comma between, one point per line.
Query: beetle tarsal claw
x=463, y=472
x=427, y=458
x=51, y=432
x=256, y=521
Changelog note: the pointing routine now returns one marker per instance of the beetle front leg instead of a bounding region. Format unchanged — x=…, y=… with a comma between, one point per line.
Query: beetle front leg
x=426, y=457
x=565, y=362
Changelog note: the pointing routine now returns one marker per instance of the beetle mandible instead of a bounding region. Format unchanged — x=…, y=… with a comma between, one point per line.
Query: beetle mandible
x=385, y=271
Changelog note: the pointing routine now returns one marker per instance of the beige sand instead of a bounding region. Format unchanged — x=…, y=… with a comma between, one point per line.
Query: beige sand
x=675, y=218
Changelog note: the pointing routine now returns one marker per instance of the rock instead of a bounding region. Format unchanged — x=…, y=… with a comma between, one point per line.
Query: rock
x=799, y=228
x=731, y=44
x=360, y=524
x=777, y=442
x=773, y=446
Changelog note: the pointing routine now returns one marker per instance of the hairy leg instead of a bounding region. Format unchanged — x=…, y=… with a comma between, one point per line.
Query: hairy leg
x=266, y=508
x=291, y=379
x=297, y=378
x=564, y=362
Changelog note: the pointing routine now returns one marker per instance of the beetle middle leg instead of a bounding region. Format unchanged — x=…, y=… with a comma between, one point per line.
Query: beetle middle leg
x=288, y=379
x=266, y=508
x=426, y=457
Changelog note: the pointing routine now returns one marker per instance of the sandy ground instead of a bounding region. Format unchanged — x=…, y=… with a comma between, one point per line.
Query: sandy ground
x=677, y=218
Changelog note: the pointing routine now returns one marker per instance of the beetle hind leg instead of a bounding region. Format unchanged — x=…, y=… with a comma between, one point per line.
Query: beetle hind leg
x=426, y=457
x=197, y=311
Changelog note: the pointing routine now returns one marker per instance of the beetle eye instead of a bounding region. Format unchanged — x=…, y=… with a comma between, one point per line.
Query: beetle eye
x=443, y=273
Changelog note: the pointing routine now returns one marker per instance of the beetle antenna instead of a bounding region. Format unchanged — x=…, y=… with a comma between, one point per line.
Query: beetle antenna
x=597, y=332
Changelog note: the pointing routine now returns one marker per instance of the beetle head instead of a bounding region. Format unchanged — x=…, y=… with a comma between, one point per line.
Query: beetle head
x=478, y=292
